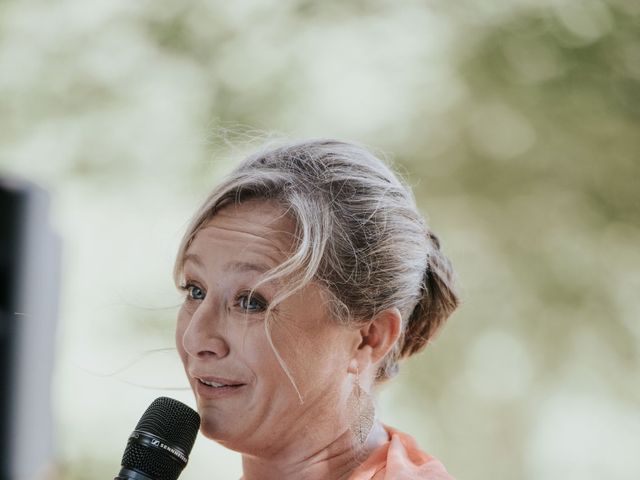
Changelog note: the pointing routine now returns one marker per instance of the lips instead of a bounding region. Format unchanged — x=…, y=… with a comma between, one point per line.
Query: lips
x=218, y=384
x=210, y=387
x=215, y=388
x=212, y=384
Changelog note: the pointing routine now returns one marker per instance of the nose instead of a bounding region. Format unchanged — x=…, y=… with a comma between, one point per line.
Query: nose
x=204, y=335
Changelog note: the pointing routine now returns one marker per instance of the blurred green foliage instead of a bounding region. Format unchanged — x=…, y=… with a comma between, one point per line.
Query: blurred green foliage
x=516, y=122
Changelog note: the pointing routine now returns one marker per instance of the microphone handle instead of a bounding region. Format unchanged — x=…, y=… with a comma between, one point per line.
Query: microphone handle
x=126, y=474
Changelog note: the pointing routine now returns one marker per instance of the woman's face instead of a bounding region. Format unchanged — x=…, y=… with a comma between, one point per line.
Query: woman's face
x=244, y=396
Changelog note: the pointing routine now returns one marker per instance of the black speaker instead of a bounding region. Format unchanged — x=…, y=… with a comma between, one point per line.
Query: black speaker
x=29, y=288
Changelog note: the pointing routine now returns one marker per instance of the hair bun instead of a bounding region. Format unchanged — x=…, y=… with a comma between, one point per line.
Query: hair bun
x=439, y=298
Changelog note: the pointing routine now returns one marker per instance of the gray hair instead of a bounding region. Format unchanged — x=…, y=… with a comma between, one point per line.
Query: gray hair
x=358, y=234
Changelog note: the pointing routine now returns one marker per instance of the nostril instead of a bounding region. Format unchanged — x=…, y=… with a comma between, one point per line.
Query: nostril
x=201, y=342
x=207, y=353
x=213, y=347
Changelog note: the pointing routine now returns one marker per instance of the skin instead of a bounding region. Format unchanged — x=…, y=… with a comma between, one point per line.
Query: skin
x=221, y=332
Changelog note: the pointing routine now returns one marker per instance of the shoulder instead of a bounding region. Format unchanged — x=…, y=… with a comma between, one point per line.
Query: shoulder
x=400, y=459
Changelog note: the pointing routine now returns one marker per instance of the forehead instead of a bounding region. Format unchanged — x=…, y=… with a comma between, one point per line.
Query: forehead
x=255, y=227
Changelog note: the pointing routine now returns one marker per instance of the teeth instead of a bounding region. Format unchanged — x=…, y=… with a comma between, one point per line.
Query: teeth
x=212, y=384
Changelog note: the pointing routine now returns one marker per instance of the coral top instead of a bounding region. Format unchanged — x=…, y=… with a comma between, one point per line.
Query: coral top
x=400, y=459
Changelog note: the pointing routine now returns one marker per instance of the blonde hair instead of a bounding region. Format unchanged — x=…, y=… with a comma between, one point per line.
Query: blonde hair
x=358, y=234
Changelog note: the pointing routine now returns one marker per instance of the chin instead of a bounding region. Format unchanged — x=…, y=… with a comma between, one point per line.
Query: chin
x=229, y=434
x=210, y=428
x=215, y=428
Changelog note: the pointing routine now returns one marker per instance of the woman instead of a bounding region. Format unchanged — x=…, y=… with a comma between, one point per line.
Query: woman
x=308, y=275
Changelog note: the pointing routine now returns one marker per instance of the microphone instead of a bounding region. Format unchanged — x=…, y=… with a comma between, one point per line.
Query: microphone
x=159, y=447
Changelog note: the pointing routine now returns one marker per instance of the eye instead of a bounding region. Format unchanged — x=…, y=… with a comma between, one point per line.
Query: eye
x=194, y=292
x=251, y=304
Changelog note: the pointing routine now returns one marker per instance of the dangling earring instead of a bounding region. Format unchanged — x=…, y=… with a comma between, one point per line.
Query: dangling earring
x=363, y=411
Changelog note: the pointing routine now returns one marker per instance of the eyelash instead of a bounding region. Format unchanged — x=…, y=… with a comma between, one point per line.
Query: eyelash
x=244, y=295
x=188, y=287
x=255, y=298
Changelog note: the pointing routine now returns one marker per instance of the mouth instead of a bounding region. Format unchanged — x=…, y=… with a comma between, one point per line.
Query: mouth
x=218, y=384
x=213, y=387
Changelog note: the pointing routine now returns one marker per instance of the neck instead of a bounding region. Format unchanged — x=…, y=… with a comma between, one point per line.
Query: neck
x=313, y=459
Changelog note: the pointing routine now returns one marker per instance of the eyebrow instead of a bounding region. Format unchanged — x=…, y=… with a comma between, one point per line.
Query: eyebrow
x=246, y=267
x=232, y=266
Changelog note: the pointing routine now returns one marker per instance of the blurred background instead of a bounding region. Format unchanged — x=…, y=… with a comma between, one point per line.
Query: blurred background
x=515, y=122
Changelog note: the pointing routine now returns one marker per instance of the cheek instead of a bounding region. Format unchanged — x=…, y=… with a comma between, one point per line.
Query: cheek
x=253, y=349
x=316, y=348
x=181, y=325
x=315, y=358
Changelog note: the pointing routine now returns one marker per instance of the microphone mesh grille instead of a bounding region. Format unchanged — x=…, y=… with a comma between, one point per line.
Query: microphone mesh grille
x=174, y=422
x=151, y=462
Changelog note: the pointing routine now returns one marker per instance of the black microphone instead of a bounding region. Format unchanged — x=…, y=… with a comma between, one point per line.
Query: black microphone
x=159, y=447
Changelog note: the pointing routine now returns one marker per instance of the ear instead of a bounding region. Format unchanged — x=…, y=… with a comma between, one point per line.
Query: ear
x=376, y=339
